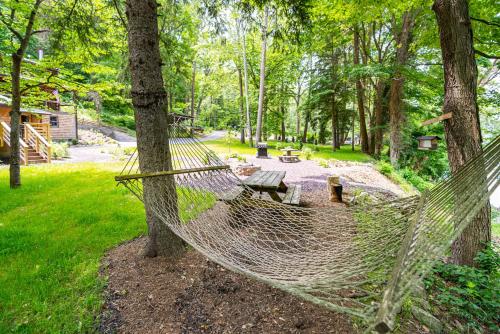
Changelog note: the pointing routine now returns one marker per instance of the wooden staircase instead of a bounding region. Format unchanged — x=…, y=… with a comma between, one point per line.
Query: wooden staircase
x=34, y=149
x=34, y=157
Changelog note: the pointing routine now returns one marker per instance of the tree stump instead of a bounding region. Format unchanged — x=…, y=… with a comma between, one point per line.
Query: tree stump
x=334, y=188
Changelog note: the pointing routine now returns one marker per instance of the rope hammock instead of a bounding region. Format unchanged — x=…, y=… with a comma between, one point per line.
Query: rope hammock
x=363, y=261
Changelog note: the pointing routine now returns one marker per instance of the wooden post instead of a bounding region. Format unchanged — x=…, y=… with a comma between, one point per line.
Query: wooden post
x=26, y=156
x=334, y=188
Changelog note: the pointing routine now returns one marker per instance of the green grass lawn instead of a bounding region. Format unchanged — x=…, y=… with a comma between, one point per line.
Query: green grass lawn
x=495, y=230
x=345, y=153
x=54, y=231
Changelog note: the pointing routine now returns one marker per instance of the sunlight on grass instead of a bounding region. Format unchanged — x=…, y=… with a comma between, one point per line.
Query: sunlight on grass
x=495, y=230
x=221, y=147
x=53, y=232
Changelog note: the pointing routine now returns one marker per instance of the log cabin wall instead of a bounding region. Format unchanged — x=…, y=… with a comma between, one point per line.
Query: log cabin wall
x=65, y=128
x=4, y=114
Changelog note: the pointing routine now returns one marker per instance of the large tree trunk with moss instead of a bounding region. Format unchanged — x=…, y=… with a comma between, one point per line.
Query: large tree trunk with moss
x=149, y=100
x=363, y=133
x=463, y=132
x=403, y=40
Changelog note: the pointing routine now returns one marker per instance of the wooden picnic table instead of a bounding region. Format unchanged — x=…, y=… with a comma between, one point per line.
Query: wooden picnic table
x=289, y=150
x=270, y=182
x=267, y=181
x=288, y=157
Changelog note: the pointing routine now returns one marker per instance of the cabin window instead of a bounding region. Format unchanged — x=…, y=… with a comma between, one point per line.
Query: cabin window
x=54, y=121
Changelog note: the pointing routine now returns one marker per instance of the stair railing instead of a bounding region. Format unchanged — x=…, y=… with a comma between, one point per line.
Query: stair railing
x=37, y=142
x=5, y=133
x=43, y=129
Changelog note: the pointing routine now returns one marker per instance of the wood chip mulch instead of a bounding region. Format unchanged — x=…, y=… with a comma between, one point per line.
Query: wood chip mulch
x=194, y=295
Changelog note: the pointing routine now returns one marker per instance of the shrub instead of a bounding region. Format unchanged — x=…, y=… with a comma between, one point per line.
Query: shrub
x=280, y=145
x=324, y=163
x=60, y=150
x=416, y=180
x=307, y=153
x=385, y=168
x=469, y=294
x=129, y=150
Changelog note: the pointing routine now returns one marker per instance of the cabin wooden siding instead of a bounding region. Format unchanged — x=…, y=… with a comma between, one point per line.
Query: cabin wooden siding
x=66, y=129
x=5, y=115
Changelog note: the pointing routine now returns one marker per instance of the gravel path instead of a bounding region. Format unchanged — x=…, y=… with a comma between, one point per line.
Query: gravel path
x=312, y=176
x=213, y=135
x=94, y=153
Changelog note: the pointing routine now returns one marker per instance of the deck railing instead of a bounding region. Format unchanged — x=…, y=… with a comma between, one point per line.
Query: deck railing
x=37, y=142
x=5, y=133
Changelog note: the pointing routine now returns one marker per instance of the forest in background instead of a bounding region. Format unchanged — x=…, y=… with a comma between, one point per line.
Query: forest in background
x=314, y=72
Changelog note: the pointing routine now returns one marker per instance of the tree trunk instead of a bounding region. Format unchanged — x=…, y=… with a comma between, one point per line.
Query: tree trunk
x=360, y=96
x=242, y=113
x=297, y=111
x=193, y=78
x=379, y=110
x=264, y=124
x=15, y=113
x=403, y=40
x=463, y=132
x=262, y=90
x=149, y=99
x=283, y=127
x=15, y=116
x=352, y=130
x=334, y=124
x=306, y=125
x=247, y=102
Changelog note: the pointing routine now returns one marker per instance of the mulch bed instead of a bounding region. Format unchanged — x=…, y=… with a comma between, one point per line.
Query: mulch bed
x=194, y=295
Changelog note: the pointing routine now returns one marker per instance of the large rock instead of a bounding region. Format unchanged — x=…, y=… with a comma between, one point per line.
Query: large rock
x=435, y=326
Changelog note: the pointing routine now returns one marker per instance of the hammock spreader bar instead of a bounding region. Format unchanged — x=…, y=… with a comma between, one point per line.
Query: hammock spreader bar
x=169, y=172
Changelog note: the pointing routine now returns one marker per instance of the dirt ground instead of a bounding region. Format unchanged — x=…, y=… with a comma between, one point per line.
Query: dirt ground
x=194, y=295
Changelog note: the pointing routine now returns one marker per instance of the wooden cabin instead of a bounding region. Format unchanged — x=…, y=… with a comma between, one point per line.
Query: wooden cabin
x=38, y=129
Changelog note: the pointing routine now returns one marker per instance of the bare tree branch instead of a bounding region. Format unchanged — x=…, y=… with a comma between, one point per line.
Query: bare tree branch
x=485, y=55
x=485, y=22
x=12, y=30
x=120, y=14
x=39, y=31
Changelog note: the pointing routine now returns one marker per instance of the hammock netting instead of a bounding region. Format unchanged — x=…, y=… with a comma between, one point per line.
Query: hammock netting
x=362, y=260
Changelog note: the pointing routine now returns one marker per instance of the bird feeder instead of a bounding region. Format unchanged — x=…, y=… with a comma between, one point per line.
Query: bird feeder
x=428, y=143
